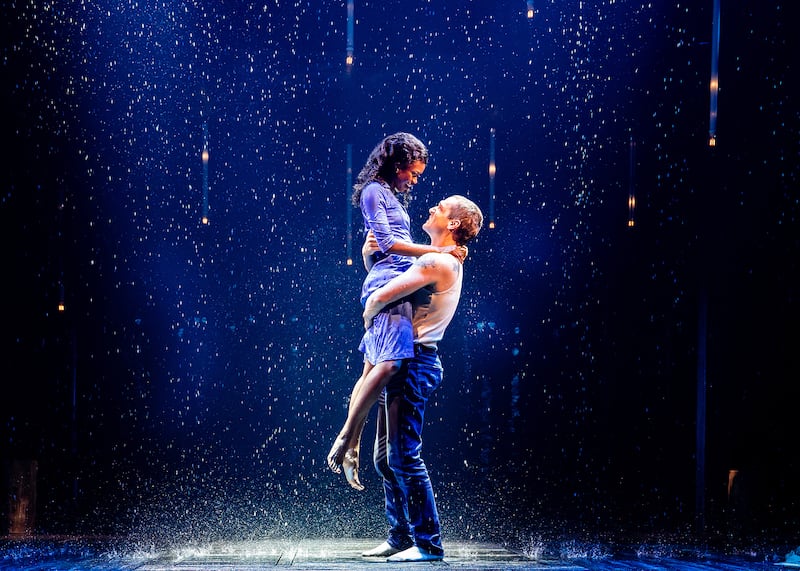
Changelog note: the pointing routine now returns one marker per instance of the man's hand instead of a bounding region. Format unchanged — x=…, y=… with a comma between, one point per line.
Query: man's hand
x=368, y=316
x=370, y=244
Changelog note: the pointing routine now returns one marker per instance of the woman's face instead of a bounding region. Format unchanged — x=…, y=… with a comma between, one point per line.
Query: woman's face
x=407, y=177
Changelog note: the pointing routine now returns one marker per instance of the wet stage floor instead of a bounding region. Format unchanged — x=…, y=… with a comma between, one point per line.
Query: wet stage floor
x=327, y=554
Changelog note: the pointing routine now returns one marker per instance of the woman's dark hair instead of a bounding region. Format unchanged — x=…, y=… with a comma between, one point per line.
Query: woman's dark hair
x=394, y=152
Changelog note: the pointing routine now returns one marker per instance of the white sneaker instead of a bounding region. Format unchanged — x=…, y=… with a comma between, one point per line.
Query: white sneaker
x=383, y=550
x=414, y=554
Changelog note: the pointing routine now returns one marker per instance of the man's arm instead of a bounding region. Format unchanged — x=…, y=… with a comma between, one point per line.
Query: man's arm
x=370, y=245
x=430, y=269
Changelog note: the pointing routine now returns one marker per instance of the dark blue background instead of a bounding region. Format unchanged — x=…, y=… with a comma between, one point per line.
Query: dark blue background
x=211, y=363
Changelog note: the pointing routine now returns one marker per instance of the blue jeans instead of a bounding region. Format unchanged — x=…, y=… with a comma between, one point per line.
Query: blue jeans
x=410, y=505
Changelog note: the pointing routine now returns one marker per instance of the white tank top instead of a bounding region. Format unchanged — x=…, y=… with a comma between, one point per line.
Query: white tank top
x=433, y=311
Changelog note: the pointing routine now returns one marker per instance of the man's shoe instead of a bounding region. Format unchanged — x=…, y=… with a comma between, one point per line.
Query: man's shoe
x=383, y=550
x=414, y=554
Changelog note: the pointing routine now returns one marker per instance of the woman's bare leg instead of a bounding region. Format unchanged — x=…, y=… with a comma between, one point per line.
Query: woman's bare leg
x=345, y=449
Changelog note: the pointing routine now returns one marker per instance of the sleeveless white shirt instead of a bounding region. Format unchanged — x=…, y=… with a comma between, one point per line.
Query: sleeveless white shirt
x=433, y=311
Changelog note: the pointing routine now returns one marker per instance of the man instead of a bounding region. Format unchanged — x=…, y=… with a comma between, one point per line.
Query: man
x=382, y=192
x=434, y=284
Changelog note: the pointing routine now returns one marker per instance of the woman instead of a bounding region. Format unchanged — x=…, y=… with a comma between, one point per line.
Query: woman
x=382, y=193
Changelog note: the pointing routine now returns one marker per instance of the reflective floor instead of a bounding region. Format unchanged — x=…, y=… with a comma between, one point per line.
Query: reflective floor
x=61, y=554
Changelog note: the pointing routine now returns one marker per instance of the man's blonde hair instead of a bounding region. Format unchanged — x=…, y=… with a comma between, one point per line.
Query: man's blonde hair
x=469, y=216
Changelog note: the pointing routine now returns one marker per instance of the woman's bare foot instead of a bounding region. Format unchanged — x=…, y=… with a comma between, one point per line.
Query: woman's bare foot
x=337, y=453
x=350, y=465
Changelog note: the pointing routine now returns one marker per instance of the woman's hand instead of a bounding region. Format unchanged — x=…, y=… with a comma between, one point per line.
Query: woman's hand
x=460, y=252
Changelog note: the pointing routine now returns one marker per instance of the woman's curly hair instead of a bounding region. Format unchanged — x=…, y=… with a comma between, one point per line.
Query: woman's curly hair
x=395, y=151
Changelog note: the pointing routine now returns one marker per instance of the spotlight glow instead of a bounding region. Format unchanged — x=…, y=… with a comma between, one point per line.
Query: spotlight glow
x=492, y=173
x=350, y=32
x=714, y=83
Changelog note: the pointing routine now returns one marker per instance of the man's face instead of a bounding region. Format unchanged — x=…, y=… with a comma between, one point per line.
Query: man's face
x=408, y=177
x=439, y=218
